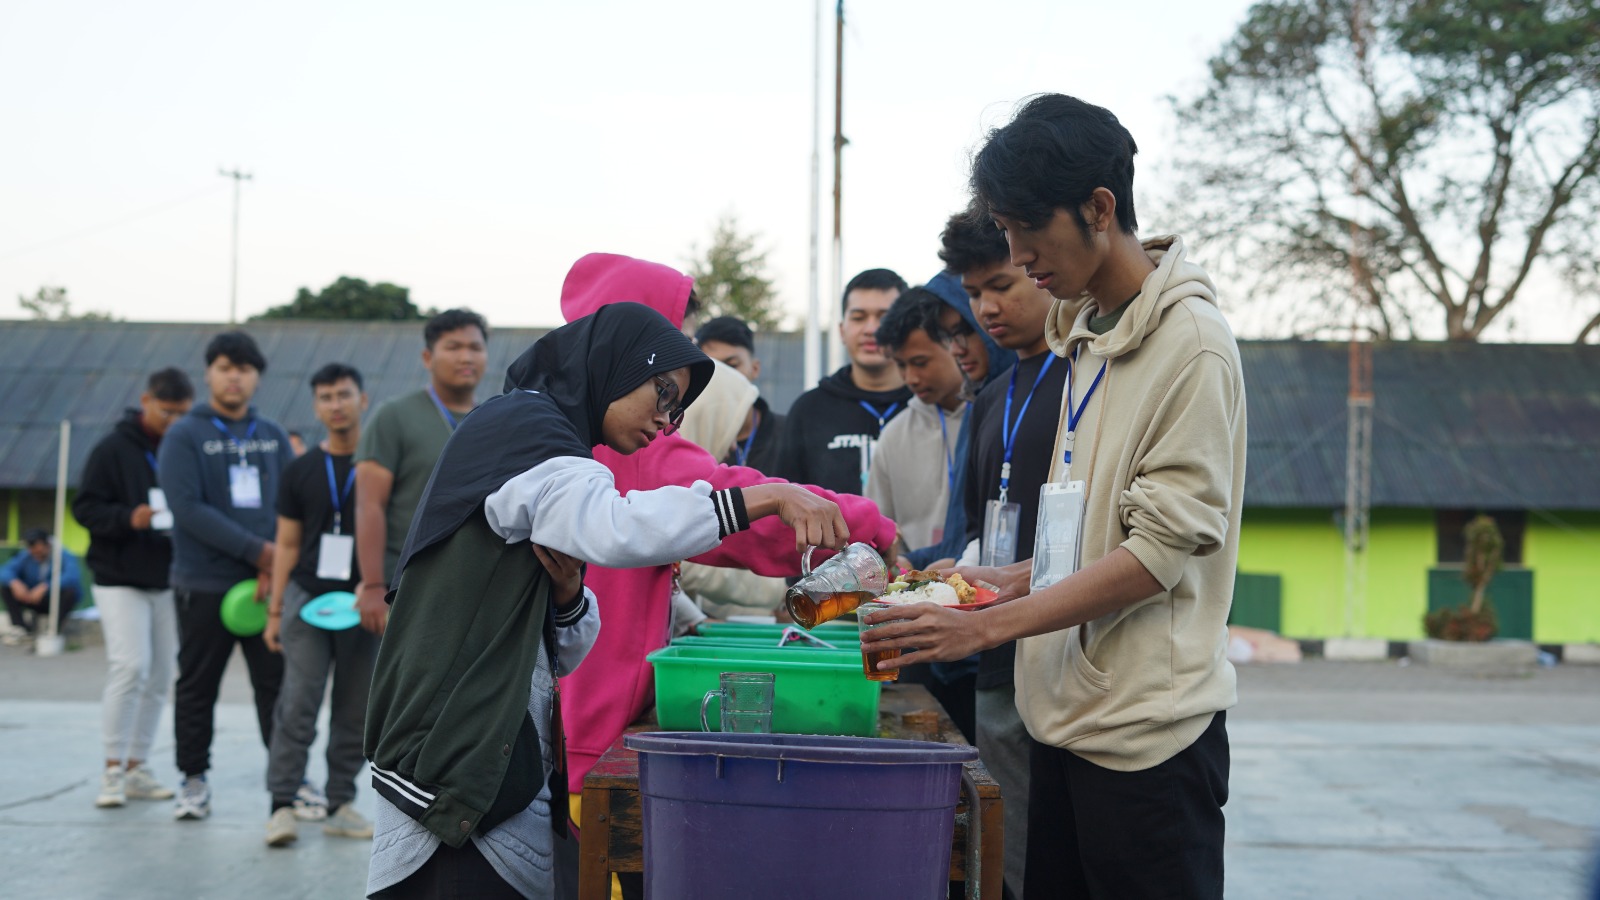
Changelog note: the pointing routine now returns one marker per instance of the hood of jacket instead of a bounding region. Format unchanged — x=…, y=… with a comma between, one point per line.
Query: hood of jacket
x=601, y=278
x=947, y=287
x=713, y=422
x=1174, y=280
x=131, y=425
x=840, y=384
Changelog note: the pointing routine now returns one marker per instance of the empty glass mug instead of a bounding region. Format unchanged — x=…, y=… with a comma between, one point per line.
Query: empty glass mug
x=746, y=701
x=838, y=586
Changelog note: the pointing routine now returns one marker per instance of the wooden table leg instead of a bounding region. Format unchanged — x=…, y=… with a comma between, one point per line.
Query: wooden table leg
x=594, y=870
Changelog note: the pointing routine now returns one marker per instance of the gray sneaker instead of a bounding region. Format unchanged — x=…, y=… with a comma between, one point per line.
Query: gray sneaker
x=282, y=829
x=309, y=804
x=346, y=822
x=141, y=785
x=194, y=799
x=113, y=788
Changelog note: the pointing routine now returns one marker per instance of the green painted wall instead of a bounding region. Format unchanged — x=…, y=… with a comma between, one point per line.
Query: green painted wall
x=1565, y=560
x=1306, y=548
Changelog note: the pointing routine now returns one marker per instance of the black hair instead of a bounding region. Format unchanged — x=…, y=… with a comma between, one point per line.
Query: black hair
x=452, y=320
x=333, y=373
x=730, y=330
x=970, y=241
x=170, y=385
x=917, y=308
x=35, y=535
x=872, y=280
x=1053, y=155
x=239, y=348
x=691, y=306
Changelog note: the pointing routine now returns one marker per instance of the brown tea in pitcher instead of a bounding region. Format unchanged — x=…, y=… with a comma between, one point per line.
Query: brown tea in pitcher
x=812, y=609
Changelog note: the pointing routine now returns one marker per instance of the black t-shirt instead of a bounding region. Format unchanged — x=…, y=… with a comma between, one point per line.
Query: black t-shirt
x=304, y=496
x=1030, y=469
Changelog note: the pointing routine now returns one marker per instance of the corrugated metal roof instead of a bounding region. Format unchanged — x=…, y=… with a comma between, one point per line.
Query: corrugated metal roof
x=1454, y=425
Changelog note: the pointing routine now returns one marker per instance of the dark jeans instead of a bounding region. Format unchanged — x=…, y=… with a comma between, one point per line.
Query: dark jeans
x=451, y=874
x=27, y=616
x=204, y=646
x=1095, y=832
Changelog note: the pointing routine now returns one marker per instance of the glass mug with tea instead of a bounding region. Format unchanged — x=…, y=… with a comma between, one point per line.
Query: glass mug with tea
x=870, y=657
x=838, y=586
x=746, y=701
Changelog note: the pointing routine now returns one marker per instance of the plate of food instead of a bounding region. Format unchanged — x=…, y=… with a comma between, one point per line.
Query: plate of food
x=914, y=586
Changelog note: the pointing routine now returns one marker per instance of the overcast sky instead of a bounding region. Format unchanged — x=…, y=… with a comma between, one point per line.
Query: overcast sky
x=471, y=151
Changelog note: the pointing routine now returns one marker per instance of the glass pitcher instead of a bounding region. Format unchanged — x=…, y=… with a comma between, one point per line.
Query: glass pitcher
x=836, y=587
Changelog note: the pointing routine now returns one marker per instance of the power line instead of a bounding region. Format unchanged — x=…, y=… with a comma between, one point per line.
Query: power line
x=104, y=226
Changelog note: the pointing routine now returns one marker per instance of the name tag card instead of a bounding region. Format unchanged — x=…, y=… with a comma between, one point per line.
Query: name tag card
x=334, y=557
x=161, y=516
x=244, y=487
x=1058, y=538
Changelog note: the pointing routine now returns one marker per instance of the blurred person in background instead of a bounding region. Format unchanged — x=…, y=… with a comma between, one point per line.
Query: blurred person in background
x=755, y=444
x=25, y=585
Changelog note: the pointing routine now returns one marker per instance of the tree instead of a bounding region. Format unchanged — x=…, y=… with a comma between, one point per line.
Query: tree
x=1423, y=160
x=51, y=304
x=350, y=298
x=731, y=278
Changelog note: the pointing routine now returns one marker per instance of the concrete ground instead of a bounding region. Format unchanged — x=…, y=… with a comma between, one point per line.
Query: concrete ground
x=1349, y=780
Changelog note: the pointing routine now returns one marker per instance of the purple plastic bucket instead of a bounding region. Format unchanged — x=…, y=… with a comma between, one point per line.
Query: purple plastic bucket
x=778, y=816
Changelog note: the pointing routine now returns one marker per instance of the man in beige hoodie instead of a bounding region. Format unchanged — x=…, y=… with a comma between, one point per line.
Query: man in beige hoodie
x=1122, y=676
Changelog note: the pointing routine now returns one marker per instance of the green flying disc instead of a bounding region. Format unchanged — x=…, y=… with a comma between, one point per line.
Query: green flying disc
x=241, y=614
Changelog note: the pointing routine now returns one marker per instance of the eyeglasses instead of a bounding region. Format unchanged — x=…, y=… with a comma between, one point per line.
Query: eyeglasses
x=667, y=402
x=960, y=333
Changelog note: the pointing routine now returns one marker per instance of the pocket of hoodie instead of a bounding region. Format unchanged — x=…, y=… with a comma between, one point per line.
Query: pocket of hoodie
x=1085, y=669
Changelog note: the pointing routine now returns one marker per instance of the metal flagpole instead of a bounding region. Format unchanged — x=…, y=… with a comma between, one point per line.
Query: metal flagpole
x=51, y=642
x=233, y=294
x=813, y=329
x=835, y=348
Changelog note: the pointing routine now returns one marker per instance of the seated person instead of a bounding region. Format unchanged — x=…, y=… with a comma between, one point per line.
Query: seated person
x=25, y=584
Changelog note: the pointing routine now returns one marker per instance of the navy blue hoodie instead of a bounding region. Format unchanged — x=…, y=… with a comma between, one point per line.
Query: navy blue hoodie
x=214, y=545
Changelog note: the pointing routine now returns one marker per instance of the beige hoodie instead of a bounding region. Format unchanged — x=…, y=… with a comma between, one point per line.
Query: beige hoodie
x=713, y=422
x=1162, y=447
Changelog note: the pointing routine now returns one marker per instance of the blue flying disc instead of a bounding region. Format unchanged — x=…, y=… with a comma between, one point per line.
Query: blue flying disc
x=334, y=611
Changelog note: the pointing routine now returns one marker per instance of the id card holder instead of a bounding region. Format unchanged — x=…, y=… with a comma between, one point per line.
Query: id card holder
x=1000, y=521
x=160, y=513
x=1058, y=538
x=334, y=556
x=244, y=486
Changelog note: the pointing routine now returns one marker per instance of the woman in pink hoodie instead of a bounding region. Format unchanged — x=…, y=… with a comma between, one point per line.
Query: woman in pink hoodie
x=614, y=685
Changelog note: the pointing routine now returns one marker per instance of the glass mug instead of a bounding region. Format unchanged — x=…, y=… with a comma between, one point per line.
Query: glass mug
x=746, y=701
x=838, y=586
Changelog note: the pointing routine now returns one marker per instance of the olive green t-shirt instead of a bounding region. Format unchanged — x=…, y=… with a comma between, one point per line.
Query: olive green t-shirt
x=405, y=435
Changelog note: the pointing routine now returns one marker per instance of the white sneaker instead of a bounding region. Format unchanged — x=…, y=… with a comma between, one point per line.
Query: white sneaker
x=141, y=785
x=194, y=799
x=113, y=790
x=346, y=822
x=282, y=829
x=309, y=804
x=14, y=636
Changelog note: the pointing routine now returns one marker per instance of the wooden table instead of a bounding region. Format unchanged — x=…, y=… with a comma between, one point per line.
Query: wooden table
x=613, y=832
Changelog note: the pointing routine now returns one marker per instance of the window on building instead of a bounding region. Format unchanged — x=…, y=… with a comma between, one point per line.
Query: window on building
x=1453, y=546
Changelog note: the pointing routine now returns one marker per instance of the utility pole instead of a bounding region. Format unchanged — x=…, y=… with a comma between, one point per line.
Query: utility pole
x=233, y=294
x=1359, y=400
x=835, y=348
x=813, y=363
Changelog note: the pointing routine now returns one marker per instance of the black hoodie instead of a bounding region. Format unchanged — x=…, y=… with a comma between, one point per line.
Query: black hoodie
x=829, y=434
x=117, y=479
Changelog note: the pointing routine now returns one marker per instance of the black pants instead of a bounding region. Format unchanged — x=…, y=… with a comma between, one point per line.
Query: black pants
x=1095, y=832
x=204, y=646
x=27, y=616
x=451, y=874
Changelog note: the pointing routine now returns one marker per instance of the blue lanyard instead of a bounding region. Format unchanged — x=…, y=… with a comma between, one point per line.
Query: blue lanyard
x=881, y=415
x=151, y=458
x=451, y=420
x=333, y=490
x=1008, y=439
x=249, y=433
x=743, y=450
x=949, y=456
x=1074, y=415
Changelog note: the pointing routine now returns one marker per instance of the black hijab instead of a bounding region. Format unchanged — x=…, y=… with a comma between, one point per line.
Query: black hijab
x=556, y=395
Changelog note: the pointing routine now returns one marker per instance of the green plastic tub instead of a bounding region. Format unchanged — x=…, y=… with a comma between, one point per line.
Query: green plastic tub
x=828, y=631
x=839, y=642
x=814, y=691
